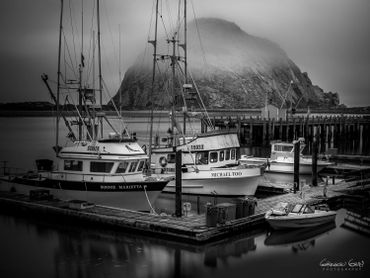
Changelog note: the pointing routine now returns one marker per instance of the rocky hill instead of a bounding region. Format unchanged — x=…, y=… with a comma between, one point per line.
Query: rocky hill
x=231, y=68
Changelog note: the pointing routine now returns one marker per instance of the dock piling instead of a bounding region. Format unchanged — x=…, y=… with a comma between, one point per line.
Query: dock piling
x=296, y=165
x=178, y=201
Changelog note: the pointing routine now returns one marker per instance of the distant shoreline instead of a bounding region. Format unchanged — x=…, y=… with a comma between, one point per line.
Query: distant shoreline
x=165, y=114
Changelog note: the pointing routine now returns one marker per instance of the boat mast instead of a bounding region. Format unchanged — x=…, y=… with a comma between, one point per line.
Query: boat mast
x=58, y=78
x=80, y=123
x=185, y=59
x=173, y=65
x=99, y=67
x=154, y=42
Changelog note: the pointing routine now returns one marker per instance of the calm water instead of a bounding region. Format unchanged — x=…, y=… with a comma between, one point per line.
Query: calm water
x=32, y=247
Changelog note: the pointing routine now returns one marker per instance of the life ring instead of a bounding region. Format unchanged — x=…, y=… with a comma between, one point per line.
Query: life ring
x=163, y=161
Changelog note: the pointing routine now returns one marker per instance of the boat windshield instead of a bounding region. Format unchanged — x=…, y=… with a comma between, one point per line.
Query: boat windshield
x=283, y=148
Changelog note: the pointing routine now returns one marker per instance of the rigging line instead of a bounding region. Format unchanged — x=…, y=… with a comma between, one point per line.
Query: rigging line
x=82, y=120
x=91, y=45
x=170, y=18
x=70, y=66
x=72, y=30
x=201, y=101
x=124, y=125
x=109, y=26
x=199, y=36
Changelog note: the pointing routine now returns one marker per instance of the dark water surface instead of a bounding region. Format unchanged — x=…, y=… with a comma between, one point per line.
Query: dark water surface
x=32, y=247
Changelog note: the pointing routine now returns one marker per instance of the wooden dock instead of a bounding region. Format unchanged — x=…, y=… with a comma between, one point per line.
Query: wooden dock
x=347, y=135
x=190, y=228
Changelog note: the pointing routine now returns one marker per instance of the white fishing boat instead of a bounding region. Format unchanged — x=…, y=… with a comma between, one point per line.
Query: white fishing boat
x=209, y=160
x=90, y=167
x=281, y=159
x=209, y=166
x=285, y=216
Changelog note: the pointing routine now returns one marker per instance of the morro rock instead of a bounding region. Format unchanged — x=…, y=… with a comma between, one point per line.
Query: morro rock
x=231, y=68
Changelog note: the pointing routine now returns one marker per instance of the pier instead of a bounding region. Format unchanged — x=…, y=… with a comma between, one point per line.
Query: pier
x=192, y=228
x=347, y=135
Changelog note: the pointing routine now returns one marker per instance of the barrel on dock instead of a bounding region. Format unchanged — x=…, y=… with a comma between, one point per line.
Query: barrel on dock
x=211, y=215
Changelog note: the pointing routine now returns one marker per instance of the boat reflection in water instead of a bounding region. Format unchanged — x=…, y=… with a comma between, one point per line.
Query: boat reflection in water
x=72, y=251
x=299, y=239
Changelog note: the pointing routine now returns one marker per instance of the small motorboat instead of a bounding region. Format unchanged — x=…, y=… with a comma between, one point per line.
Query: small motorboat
x=285, y=216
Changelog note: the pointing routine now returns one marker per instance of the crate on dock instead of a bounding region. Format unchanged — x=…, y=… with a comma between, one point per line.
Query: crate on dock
x=225, y=212
x=40, y=194
x=244, y=206
x=79, y=204
x=211, y=215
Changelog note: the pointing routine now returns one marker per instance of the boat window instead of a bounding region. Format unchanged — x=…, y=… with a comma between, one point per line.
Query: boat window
x=233, y=153
x=201, y=158
x=213, y=157
x=297, y=208
x=309, y=209
x=141, y=166
x=222, y=155
x=171, y=158
x=101, y=167
x=72, y=165
x=283, y=148
x=122, y=167
x=133, y=166
x=227, y=157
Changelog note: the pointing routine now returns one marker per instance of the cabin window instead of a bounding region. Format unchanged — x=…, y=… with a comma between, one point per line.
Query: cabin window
x=141, y=166
x=213, y=157
x=283, y=148
x=133, y=166
x=201, y=158
x=227, y=157
x=222, y=155
x=171, y=158
x=233, y=154
x=122, y=167
x=101, y=167
x=73, y=165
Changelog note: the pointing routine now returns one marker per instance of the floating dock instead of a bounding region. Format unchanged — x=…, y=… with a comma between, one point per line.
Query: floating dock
x=191, y=228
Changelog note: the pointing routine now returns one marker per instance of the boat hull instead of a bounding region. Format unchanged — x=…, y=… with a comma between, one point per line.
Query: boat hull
x=220, y=182
x=125, y=195
x=300, y=221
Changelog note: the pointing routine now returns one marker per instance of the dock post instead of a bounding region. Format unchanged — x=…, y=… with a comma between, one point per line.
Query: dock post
x=314, y=162
x=178, y=202
x=297, y=146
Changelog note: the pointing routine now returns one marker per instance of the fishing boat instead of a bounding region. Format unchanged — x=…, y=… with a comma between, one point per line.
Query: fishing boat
x=209, y=160
x=91, y=167
x=281, y=159
x=285, y=216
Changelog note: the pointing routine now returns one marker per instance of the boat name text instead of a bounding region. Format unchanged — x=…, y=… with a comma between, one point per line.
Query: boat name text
x=226, y=174
x=121, y=187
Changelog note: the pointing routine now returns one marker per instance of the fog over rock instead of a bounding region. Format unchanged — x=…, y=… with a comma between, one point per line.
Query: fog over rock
x=231, y=68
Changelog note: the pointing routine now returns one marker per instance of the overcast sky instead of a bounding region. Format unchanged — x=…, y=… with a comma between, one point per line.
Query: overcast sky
x=330, y=39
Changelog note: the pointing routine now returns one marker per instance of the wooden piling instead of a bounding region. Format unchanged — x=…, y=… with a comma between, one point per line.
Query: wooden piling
x=314, y=163
x=178, y=201
x=296, y=165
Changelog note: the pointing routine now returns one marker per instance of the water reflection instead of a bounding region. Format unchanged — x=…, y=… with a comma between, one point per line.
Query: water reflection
x=298, y=239
x=76, y=251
